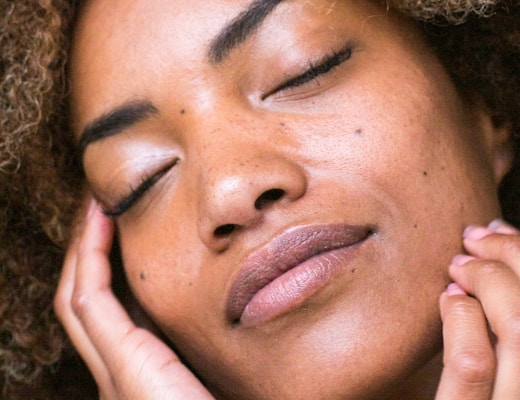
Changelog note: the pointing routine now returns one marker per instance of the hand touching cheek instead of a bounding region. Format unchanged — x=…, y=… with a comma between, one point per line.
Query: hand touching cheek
x=127, y=361
x=481, y=316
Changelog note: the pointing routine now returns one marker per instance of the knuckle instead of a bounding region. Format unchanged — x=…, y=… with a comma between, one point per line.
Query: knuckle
x=492, y=270
x=490, y=267
x=473, y=365
x=511, y=245
x=80, y=303
x=461, y=308
x=61, y=301
x=512, y=329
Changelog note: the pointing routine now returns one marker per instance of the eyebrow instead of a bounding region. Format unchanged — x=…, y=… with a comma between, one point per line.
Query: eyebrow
x=128, y=114
x=114, y=122
x=240, y=28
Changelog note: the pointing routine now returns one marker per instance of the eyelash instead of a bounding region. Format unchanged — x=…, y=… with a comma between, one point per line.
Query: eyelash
x=324, y=66
x=136, y=193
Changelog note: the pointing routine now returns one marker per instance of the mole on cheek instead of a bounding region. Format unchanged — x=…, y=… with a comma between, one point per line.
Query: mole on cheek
x=183, y=111
x=358, y=132
x=142, y=276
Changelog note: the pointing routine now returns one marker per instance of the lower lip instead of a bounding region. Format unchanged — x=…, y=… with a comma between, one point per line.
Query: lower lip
x=294, y=287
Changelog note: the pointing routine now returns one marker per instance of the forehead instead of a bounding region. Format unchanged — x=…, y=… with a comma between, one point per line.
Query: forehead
x=116, y=38
x=116, y=20
x=124, y=50
x=125, y=22
x=111, y=33
x=135, y=26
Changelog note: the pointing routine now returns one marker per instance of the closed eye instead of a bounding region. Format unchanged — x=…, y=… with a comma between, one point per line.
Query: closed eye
x=324, y=66
x=138, y=192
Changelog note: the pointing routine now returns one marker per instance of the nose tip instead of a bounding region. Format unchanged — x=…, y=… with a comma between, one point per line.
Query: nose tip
x=239, y=197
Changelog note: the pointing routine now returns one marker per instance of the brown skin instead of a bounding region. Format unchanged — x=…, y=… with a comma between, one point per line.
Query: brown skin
x=383, y=140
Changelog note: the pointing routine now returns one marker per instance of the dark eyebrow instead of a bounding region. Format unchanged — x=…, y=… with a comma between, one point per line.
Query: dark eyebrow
x=114, y=122
x=238, y=30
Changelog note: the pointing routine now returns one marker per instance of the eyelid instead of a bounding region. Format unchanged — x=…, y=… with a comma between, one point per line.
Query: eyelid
x=147, y=182
x=323, y=66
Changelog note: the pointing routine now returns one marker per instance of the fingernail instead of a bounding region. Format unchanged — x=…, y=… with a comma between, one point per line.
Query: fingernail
x=461, y=259
x=473, y=232
x=496, y=223
x=454, y=289
x=500, y=226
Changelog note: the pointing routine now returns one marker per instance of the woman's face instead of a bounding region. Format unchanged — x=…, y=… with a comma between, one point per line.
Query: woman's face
x=290, y=179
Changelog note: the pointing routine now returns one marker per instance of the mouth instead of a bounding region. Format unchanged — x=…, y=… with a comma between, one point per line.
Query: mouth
x=283, y=274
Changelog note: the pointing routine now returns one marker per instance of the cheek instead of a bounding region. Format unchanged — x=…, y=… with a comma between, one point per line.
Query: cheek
x=421, y=159
x=427, y=152
x=161, y=275
x=178, y=288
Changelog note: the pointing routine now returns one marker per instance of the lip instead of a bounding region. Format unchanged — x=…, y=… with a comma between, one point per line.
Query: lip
x=285, y=272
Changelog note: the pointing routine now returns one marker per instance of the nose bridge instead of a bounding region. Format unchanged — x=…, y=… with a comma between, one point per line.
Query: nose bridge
x=243, y=175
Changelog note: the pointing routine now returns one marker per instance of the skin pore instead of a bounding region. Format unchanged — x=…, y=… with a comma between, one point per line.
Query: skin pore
x=329, y=116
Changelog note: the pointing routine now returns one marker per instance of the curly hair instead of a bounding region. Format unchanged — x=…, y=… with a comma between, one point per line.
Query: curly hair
x=33, y=230
x=477, y=40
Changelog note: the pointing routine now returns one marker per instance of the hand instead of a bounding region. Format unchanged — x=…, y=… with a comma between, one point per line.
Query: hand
x=126, y=361
x=481, y=317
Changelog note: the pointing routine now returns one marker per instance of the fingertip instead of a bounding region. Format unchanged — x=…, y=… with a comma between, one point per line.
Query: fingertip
x=91, y=207
x=453, y=289
x=83, y=216
x=95, y=210
x=97, y=232
x=97, y=213
x=449, y=297
x=474, y=232
x=461, y=259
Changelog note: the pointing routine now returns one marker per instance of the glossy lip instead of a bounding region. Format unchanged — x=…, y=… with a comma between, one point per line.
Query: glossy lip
x=289, y=269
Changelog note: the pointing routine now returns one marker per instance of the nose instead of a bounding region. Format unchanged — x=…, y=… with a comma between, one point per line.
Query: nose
x=243, y=186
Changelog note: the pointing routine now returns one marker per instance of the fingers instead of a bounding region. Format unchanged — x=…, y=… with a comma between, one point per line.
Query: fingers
x=491, y=274
x=469, y=359
x=497, y=241
x=93, y=301
x=141, y=366
x=63, y=308
x=127, y=362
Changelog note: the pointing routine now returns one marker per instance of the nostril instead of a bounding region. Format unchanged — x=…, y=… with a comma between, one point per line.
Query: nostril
x=224, y=230
x=268, y=197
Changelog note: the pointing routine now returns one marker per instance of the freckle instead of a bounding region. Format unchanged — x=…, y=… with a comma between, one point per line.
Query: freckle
x=190, y=284
x=415, y=226
x=282, y=123
x=353, y=270
x=425, y=173
x=183, y=111
x=359, y=131
x=142, y=276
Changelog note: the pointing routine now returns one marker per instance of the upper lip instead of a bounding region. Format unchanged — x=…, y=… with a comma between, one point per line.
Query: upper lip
x=283, y=253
